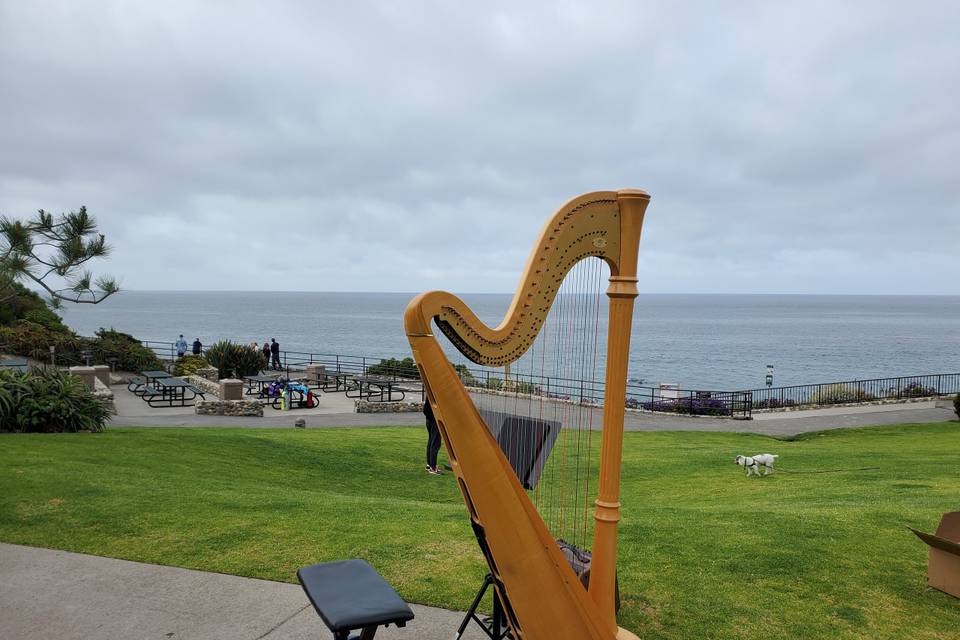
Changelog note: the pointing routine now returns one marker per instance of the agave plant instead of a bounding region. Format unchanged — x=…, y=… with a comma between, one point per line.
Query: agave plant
x=235, y=360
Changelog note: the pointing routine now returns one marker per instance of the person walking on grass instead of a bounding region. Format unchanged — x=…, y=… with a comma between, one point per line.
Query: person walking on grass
x=181, y=346
x=433, y=440
x=275, y=352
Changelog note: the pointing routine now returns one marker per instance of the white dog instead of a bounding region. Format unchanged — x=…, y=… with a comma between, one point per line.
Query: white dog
x=753, y=463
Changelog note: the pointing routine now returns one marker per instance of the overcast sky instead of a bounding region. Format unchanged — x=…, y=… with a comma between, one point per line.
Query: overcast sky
x=400, y=146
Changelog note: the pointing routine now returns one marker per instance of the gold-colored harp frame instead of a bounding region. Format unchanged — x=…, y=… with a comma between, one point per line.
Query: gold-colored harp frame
x=542, y=597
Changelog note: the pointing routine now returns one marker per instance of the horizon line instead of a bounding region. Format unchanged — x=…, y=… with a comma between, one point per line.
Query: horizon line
x=498, y=293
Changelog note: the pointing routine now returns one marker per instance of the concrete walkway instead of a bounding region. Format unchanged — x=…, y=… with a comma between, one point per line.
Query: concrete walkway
x=47, y=595
x=337, y=411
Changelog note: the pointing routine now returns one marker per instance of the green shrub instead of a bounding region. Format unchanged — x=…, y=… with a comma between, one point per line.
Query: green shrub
x=466, y=377
x=496, y=384
x=189, y=364
x=839, y=394
x=405, y=368
x=46, y=318
x=34, y=341
x=25, y=304
x=525, y=387
x=235, y=360
x=9, y=392
x=48, y=401
x=127, y=352
x=917, y=390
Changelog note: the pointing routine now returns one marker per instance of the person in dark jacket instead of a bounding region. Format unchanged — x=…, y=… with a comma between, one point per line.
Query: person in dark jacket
x=433, y=440
x=266, y=354
x=275, y=352
x=197, y=347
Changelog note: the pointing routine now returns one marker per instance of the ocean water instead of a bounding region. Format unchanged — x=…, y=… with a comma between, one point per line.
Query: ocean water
x=697, y=341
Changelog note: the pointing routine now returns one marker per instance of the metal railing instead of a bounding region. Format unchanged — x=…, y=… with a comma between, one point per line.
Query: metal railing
x=734, y=404
x=857, y=391
x=731, y=404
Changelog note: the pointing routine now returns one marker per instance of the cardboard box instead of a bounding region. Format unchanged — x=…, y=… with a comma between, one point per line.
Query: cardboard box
x=943, y=564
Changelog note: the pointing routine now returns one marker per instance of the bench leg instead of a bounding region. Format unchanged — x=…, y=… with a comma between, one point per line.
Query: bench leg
x=366, y=634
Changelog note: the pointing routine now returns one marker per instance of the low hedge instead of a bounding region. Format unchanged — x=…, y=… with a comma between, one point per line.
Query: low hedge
x=189, y=365
x=124, y=350
x=405, y=368
x=108, y=347
x=48, y=401
x=34, y=341
x=840, y=394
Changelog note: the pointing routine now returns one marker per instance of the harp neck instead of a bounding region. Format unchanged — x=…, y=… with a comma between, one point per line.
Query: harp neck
x=603, y=224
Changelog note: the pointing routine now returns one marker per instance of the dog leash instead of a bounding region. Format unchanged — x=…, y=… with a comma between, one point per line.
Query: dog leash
x=830, y=470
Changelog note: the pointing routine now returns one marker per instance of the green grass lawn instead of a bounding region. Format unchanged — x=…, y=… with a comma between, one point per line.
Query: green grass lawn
x=705, y=552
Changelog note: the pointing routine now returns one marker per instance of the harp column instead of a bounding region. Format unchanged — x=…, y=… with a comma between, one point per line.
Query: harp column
x=622, y=293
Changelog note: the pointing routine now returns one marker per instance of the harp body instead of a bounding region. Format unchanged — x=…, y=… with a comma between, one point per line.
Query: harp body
x=543, y=598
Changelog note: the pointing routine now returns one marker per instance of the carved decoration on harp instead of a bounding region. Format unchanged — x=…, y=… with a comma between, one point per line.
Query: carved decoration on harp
x=542, y=597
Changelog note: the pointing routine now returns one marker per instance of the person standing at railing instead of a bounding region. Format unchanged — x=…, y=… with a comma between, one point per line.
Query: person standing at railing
x=275, y=351
x=266, y=354
x=197, y=347
x=181, y=345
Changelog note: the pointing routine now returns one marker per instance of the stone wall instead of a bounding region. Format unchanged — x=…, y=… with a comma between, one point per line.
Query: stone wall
x=365, y=406
x=228, y=408
x=208, y=373
x=105, y=394
x=208, y=388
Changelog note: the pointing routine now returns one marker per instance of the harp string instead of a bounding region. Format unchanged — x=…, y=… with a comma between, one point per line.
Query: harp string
x=567, y=352
x=555, y=382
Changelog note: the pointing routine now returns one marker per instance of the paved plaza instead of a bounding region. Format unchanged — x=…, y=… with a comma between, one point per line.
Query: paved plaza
x=336, y=410
x=47, y=594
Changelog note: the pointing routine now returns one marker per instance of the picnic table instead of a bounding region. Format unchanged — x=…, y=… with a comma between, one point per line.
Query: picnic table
x=258, y=382
x=153, y=377
x=145, y=382
x=341, y=380
x=369, y=386
x=293, y=396
x=170, y=391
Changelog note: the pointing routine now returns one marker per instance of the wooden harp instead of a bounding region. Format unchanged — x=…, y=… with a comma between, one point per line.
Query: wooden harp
x=542, y=597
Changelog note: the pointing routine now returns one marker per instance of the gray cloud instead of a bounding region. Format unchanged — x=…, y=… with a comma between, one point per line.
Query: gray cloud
x=384, y=146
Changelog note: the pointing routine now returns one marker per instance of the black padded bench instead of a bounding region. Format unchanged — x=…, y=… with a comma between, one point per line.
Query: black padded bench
x=351, y=595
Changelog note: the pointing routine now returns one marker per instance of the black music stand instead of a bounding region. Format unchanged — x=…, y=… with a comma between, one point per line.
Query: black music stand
x=493, y=626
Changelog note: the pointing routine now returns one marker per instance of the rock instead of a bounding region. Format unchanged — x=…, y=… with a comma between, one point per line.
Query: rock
x=209, y=388
x=300, y=423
